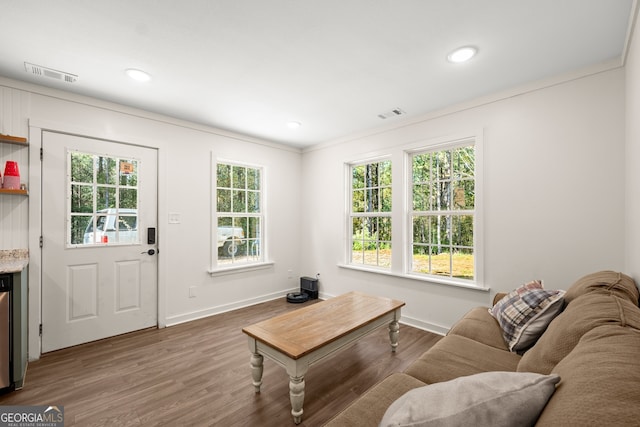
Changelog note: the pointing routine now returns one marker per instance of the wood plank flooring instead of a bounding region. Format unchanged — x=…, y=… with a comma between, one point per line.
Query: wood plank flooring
x=198, y=374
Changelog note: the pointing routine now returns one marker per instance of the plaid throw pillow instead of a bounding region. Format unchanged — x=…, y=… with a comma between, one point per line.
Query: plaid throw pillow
x=525, y=313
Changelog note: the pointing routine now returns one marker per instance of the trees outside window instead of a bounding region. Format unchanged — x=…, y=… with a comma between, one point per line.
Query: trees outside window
x=370, y=214
x=103, y=199
x=433, y=226
x=443, y=212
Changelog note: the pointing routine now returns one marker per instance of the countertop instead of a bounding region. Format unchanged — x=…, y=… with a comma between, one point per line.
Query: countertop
x=13, y=260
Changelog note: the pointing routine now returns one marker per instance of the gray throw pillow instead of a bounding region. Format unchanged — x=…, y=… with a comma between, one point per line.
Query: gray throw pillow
x=488, y=399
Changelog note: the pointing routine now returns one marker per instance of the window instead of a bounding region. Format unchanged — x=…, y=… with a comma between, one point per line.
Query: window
x=443, y=212
x=103, y=200
x=370, y=214
x=436, y=215
x=239, y=217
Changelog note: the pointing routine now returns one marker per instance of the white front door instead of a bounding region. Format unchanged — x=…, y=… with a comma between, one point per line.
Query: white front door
x=99, y=270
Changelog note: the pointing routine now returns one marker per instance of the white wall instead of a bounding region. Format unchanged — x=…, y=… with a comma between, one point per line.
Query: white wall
x=14, y=210
x=632, y=265
x=185, y=152
x=553, y=195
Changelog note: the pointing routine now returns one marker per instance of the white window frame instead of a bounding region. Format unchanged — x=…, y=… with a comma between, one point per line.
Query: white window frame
x=248, y=264
x=350, y=214
x=402, y=228
x=435, y=146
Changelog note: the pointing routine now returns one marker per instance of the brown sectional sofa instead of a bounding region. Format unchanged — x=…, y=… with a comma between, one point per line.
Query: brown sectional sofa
x=593, y=345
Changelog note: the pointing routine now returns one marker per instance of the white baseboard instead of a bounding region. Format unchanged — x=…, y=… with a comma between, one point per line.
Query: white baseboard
x=200, y=314
x=425, y=326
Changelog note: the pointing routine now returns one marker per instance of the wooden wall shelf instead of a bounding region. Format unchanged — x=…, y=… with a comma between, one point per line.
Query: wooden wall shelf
x=17, y=140
x=8, y=191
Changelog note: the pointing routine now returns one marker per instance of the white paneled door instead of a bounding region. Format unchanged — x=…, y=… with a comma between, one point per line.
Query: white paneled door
x=99, y=255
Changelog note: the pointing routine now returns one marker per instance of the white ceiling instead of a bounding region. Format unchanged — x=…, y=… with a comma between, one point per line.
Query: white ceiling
x=251, y=66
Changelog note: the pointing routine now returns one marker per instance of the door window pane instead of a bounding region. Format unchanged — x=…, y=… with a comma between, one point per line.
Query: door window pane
x=105, y=170
x=81, y=198
x=103, y=200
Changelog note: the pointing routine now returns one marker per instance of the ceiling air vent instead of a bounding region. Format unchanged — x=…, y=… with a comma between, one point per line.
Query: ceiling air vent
x=393, y=113
x=41, y=71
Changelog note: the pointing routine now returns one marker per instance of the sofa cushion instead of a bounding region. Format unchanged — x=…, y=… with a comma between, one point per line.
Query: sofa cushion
x=456, y=356
x=600, y=381
x=479, y=325
x=525, y=313
x=488, y=399
x=612, y=282
x=580, y=316
x=369, y=408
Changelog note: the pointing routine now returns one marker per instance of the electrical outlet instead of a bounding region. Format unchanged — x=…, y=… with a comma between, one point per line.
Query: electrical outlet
x=193, y=292
x=289, y=274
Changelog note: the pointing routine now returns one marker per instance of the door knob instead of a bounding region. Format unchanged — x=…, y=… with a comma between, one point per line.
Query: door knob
x=150, y=252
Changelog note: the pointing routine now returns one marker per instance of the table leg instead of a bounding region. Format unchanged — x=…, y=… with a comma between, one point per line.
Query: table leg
x=256, y=370
x=296, y=393
x=394, y=327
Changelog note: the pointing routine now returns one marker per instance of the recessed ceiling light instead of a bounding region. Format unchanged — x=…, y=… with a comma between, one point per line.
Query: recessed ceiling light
x=138, y=75
x=294, y=125
x=462, y=54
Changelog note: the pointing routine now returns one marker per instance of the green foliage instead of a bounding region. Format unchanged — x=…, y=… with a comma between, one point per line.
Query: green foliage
x=92, y=173
x=78, y=226
x=443, y=200
x=444, y=180
x=82, y=167
x=253, y=179
x=363, y=239
x=223, y=176
x=239, y=179
x=371, y=187
x=237, y=189
x=97, y=183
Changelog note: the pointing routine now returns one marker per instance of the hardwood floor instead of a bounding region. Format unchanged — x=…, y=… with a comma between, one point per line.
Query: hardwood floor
x=198, y=374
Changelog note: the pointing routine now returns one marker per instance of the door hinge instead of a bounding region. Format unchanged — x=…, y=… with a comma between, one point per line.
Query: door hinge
x=40, y=242
x=41, y=154
x=40, y=329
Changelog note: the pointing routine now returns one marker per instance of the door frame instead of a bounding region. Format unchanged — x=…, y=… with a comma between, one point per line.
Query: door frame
x=36, y=129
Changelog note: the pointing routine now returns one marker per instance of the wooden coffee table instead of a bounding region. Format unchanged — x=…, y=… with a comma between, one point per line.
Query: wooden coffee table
x=297, y=339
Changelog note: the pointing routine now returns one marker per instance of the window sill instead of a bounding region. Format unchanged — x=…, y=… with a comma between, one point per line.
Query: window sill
x=240, y=269
x=430, y=279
